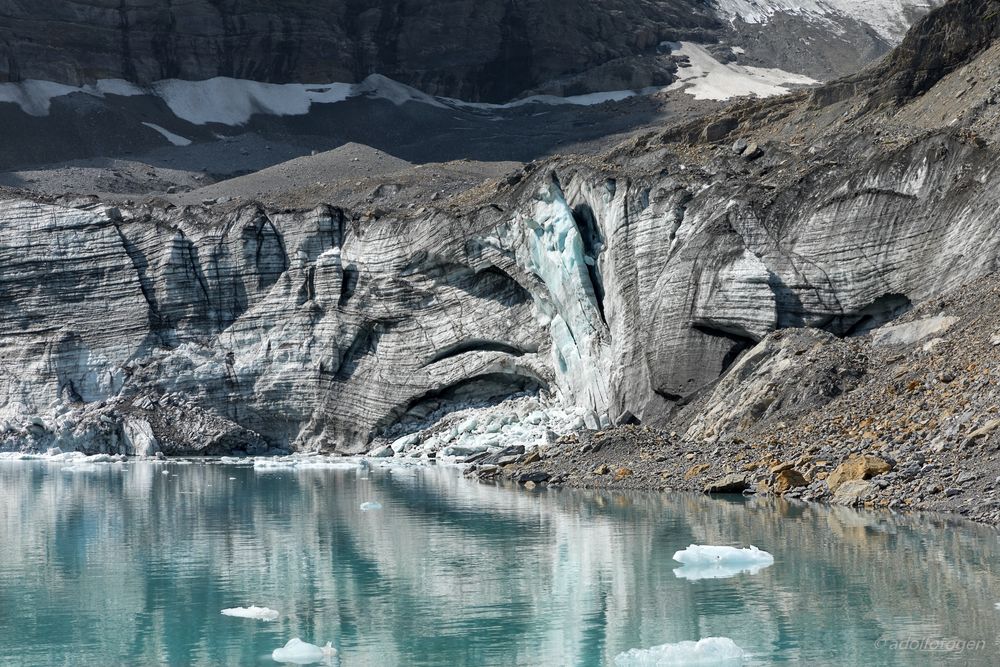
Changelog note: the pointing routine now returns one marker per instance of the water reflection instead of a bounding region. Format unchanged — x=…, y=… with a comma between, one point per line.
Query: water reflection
x=126, y=565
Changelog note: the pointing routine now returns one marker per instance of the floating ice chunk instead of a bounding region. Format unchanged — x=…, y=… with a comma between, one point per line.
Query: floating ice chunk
x=80, y=467
x=708, y=651
x=372, y=505
x=299, y=652
x=302, y=462
x=258, y=613
x=702, y=555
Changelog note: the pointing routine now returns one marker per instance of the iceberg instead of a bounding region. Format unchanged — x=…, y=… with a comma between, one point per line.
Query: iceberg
x=374, y=505
x=709, y=651
x=708, y=562
x=702, y=556
x=299, y=652
x=258, y=613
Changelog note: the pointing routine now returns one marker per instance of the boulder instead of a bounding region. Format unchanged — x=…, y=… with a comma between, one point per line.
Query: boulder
x=732, y=483
x=857, y=468
x=535, y=477
x=852, y=492
x=788, y=479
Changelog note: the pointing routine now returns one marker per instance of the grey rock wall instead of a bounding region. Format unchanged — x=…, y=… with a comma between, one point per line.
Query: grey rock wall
x=479, y=50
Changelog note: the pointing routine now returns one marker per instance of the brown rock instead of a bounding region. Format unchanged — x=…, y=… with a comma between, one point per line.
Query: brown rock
x=855, y=468
x=531, y=457
x=782, y=467
x=602, y=469
x=622, y=474
x=696, y=470
x=789, y=479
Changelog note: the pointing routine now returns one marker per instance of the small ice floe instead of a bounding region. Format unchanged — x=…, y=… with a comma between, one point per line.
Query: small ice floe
x=720, y=651
x=698, y=554
x=302, y=462
x=258, y=613
x=997, y=605
x=711, y=562
x=372, y=505
x=299, y=652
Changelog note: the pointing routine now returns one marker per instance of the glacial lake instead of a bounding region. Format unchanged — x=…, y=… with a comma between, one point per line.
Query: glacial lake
x=131, y=564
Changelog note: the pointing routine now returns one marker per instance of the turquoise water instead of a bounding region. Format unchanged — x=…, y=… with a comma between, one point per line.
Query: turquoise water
x=125, y=565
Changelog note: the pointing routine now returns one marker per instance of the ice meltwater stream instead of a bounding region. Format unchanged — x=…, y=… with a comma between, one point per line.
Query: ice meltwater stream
x=133, y=564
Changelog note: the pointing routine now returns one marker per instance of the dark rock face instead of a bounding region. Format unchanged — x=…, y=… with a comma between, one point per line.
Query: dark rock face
x=480, y=50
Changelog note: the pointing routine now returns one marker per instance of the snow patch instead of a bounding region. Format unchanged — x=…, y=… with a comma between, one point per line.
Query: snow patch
x=254, y=612
x=175, y=139
x=708, y=79
x=299, y=652
x=708, y=651
x=233, y=102
x=34, y=97
x=585, y=100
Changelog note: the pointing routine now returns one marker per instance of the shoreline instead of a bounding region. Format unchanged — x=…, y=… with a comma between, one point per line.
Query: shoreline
x=621, y=459
x=641, y=458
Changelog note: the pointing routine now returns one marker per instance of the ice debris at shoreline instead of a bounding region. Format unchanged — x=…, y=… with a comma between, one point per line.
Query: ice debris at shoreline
x=71, y=461
x=253, y=611
x=299, y=652
x=476, y=430
x=369, y=506
x=299, y=462
x=708, y=651
x=711, y=562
